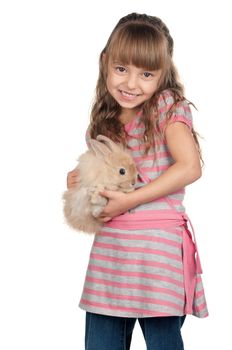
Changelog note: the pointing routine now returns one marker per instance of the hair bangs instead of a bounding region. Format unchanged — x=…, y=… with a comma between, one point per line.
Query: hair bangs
x=139, y=45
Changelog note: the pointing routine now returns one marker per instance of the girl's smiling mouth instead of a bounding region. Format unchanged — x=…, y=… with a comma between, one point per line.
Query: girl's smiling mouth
x=128, y=95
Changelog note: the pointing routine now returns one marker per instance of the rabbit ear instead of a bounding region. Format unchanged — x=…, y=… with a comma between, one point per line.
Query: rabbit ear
x=113, y=146
x=99, y=148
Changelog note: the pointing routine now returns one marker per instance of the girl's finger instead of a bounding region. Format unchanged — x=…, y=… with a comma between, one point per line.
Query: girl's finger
x=72, y=178
x=104, y=219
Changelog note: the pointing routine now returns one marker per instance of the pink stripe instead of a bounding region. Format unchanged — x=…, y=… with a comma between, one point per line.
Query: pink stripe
x=165, y=108
x=142, y=147
x=182, y=191
x=177, y=231
x=132, y=298
x=157, y=277
x=137, y=250
x=162, y=214
x=136, y=262
x=199, y=294
x=156, y=168
x=140, y=180
x=134, y=286
x=137, y=237
x=148, y=219
x=139, y=135
x=176, y=118
x=168, y=105
x=199, y=280
x=128, y=309
x=176, y=201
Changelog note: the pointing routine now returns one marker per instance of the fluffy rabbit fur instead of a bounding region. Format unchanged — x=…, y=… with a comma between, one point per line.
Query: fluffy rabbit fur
x=105, y=166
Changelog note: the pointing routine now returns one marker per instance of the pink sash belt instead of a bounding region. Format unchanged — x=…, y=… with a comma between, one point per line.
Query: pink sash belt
x=169, y=218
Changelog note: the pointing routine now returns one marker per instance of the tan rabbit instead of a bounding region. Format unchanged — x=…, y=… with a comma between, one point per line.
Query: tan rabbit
x=105, y=166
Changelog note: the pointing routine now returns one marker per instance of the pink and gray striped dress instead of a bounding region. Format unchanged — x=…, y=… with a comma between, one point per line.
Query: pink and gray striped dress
x=145, y=263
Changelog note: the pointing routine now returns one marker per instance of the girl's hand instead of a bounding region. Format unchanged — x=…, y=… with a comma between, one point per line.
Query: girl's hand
x=118, y=204
x=72, y=178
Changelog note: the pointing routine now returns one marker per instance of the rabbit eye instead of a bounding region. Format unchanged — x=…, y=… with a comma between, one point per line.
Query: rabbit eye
x=122, y=171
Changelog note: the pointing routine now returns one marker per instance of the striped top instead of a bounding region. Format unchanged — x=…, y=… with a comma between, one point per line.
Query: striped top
x=138, y=269
x=148, y=167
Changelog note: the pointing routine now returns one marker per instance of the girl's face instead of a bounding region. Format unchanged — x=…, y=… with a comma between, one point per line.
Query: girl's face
x=129, y=85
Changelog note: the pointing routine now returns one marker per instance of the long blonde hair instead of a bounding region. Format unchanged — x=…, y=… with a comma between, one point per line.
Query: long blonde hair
x=145, y=42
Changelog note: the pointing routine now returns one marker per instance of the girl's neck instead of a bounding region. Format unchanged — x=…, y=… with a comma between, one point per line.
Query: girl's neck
x=127, y=115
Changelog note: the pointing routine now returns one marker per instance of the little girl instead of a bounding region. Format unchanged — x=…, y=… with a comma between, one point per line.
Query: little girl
x=144, y=262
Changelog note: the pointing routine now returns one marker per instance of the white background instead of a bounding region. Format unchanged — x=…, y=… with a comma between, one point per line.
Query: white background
x=49, y=67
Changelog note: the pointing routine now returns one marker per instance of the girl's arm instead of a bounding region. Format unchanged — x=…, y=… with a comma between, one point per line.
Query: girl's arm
x=185, y=170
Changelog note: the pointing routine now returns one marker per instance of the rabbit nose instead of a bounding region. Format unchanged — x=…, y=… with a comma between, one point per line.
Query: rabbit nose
x=133, y=183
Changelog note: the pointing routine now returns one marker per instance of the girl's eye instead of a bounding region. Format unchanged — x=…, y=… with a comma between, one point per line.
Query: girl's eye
x=120, y=69
x=147, y=74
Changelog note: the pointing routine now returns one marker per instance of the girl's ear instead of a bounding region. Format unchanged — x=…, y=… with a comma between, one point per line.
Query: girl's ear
x=99, y=148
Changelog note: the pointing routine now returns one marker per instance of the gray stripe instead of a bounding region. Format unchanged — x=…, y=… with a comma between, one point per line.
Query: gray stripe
x=157, y=206
x=129, y=303
x=137, y=130
x=138, y=256
x=136, y=280
x=202, y=313
x=133, y=143
x=127, y=243
x=147, y=163
x=199, y=286
x=137, y=268
x=168, y=100
x=177, y=196
x=154, y=174
x=180, y=208
x=137, y=153
x=136, y=292
x=178, y=111
x=155, y=163
x=153, y=206
x=140, y=152
x=199, y=301
x=140, y=184
x=175, y=237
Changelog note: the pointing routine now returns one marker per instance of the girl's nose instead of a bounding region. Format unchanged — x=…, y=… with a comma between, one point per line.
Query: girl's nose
x=131, y=82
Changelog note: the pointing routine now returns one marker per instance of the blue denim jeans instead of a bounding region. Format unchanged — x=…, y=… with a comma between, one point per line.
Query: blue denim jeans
x=114, y=333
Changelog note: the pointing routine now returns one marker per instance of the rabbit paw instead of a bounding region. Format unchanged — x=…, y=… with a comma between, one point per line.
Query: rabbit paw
x=95, y=197
x=96, y=211
x=98, y=206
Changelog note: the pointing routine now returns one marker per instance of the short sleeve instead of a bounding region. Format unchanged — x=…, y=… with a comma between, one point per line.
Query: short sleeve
x=180, y=113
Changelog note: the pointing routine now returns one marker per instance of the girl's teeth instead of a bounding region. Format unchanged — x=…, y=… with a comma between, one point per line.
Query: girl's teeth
x=127, y=94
